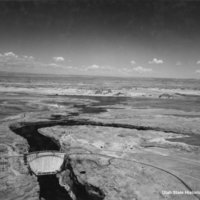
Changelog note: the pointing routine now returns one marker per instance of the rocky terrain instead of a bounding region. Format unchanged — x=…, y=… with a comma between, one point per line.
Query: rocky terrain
x=136, y=148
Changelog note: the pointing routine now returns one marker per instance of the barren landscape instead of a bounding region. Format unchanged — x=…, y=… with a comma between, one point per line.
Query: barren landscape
x=116, y=147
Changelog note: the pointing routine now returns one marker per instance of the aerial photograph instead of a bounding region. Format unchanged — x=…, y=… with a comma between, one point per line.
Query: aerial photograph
x=99, y=100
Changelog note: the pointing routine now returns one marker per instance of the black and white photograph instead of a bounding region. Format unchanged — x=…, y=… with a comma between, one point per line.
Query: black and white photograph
x=99, y=99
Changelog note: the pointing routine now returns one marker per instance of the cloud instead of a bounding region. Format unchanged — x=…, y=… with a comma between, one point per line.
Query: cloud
x=93, y=66
x=10, y=54
x=14, y=59
x=156, y=61
x=198, y=71
x=198, y=62
x=58, y=59
x=110, y=69
x=10, y=60
x=141, y=69
x=28, y=57
x=178, y=63
x=54, y=65
x=98, y=68
x=124, y=69
x=133, y=62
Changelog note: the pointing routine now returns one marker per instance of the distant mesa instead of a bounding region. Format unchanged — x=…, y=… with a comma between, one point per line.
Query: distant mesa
x=103, y=91
x=165, y=96
x=119, y=94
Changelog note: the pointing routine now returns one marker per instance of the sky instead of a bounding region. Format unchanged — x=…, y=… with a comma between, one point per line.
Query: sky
x=129, y=38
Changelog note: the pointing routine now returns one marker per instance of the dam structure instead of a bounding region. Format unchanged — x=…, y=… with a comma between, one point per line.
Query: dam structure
x=45, y=162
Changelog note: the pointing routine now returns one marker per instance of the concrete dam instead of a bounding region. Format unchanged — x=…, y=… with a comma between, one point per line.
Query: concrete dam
x=45, y=162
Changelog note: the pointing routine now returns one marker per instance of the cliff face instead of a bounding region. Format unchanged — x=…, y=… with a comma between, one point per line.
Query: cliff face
x=15, y=180
x=88, y=178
